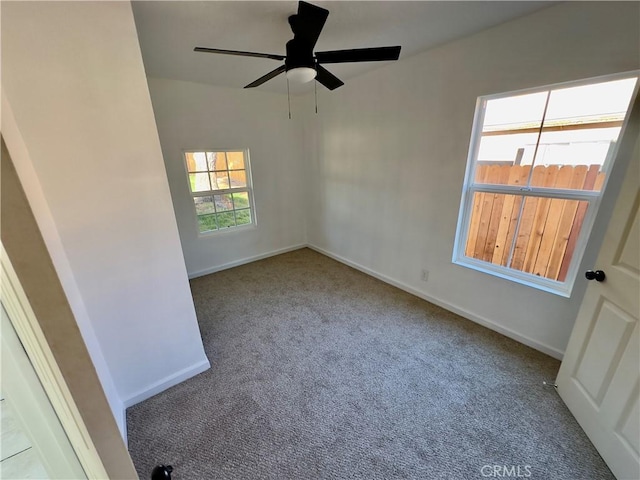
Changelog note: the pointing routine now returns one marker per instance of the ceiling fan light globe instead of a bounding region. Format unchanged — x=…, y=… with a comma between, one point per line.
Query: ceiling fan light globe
x=301, y=74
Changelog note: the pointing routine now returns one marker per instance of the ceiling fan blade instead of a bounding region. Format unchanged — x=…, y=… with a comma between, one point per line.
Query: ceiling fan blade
x=359, y=55
x=328, y=79
x=308, y=23
x=267, y=77
x=239, y=53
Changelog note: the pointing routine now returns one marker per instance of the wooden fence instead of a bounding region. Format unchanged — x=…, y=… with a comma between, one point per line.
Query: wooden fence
x=549, y=228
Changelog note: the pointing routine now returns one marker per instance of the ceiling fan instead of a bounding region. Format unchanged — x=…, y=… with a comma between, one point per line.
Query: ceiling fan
x=301, y=64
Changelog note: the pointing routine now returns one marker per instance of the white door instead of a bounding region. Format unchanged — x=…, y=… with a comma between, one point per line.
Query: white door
x=599, y=378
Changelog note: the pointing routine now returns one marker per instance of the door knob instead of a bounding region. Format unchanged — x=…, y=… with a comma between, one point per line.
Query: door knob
x=598, y=275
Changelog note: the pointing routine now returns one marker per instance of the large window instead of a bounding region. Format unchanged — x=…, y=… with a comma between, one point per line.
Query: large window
x=538, y=163
x=220, y=185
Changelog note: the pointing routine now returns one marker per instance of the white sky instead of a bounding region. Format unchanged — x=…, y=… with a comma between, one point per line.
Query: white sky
x=596, y=99
x=567, y=147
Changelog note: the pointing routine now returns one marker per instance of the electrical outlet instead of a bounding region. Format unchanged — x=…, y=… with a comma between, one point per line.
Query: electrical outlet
x=425, y=276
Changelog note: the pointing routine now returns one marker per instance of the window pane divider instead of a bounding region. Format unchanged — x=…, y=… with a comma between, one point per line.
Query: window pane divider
x=226, y=191
x=516, y=230
x=559, y=193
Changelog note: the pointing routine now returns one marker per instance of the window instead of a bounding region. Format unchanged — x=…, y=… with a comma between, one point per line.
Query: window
x=220, y=185
x=538, y=164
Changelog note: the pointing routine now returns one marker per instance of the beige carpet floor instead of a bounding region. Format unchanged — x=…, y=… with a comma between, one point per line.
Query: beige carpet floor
x=322, y=372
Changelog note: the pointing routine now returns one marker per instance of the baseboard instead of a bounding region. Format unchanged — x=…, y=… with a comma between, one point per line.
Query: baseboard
x=165, y=383
x=242, y=261
x=507, y=332
x=122, y=425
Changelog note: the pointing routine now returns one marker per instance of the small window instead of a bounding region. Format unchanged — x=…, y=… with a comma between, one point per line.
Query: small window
x=220, y=185
x=538, y=163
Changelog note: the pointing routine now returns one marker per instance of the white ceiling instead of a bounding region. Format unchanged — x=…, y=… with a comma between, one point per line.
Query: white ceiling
x=169, y=30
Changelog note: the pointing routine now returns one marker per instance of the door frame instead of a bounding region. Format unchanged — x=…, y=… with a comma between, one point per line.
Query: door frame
x=31, y=409
x=30, y=334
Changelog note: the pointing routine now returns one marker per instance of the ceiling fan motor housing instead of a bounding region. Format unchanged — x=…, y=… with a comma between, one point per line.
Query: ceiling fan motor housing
x=299, y=54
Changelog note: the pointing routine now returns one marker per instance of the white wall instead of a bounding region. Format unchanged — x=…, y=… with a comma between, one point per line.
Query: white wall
x=387, y=158
x=198, y=116
x=87, y=152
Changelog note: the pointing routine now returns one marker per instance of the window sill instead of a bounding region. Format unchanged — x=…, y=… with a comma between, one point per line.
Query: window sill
x=226, y=231
x=562, y=289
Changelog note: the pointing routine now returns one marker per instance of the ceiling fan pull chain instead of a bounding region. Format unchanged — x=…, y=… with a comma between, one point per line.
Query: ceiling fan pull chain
x=288, y=99
x=315, y=91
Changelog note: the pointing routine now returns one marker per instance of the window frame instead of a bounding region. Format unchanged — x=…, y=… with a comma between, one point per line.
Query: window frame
x=594, y=198
x=210, y=193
